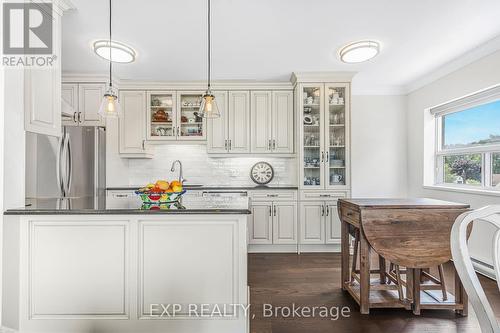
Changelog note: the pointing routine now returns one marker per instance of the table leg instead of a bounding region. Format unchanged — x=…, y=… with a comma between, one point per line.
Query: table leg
x=416, y=290
x=461, y=296
x=382, y=268
x=409, y=284
x=364, y=272
x=344, y=241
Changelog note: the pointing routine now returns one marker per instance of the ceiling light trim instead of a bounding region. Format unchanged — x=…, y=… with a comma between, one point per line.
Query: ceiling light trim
x=115, y=45
x=361, y=44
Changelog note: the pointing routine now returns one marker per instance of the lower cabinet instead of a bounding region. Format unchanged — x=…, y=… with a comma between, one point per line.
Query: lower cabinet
x=273, y=223
x=319, y=222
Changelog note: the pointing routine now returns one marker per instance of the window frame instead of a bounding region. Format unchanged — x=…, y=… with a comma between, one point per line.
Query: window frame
x=486, y=151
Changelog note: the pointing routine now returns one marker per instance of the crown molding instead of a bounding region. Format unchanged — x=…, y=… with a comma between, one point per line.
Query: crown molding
x=176, y=85
x=311, y=77
x=465, y=59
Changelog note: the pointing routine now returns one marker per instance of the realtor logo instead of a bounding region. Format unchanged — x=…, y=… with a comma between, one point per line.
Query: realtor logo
x=27, y=28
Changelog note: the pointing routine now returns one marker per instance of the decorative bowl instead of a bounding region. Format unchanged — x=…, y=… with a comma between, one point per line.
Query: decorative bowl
x=159, y=198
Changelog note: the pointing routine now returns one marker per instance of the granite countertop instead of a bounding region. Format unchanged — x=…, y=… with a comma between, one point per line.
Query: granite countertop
x=190, y=204
x=216, y=187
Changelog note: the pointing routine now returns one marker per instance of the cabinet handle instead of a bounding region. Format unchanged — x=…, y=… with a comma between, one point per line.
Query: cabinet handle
x=229, y=144
x=79, y=117
x=322, y=156
x=121, y=196
x=143, y=144
x=326, y=159
x=270, y=211
x=327, y=210
x=268, y=144
x=274, y=209
x=325, y=195
x=322, y=210
x=274, y=144
x=272, y=195
x=178, y=131
x=225, y=144
x=74, y=117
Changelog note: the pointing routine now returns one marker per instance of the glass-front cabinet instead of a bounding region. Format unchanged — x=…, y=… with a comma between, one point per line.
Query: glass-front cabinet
x=324, y=133
x=174, y=116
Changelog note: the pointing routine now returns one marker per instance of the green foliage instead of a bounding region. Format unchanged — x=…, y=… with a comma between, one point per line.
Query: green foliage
x=466, y=168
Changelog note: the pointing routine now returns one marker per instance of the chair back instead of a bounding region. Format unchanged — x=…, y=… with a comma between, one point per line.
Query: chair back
x=465, y=269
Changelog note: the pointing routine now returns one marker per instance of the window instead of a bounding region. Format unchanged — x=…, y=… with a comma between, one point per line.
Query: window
x=468, y=141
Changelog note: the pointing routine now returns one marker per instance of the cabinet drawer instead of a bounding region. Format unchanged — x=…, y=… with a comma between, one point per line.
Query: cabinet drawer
x=350, y=215
x=322, y=195
x=120, y=194
x=260, y=195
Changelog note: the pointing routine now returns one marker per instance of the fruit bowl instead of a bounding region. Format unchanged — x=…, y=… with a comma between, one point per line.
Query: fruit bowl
x=160, y=197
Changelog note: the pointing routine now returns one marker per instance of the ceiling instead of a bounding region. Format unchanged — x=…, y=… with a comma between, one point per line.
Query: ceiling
x=269, y=39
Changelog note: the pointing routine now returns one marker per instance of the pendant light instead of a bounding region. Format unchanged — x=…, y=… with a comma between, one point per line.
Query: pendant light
x=209, y=108
x=110, y=107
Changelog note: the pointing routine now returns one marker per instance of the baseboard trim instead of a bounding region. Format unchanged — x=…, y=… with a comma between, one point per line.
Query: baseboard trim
x=293, y=248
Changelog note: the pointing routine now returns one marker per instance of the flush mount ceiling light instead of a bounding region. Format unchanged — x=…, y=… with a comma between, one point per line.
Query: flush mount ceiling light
x=121, y=52
x=359, y=51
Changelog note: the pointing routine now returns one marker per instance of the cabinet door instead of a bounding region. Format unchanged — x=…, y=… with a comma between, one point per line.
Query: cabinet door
x=282, y=122
x=42, y=92
x=161, y=116
x=69, y=93
x=132, y=122
x=311, y=136
x=284, y=223
x=336, y=134
x=90, y=96
x=217, y=127
x=312, y=222
x=261, y=106
x=239, y=122
x=189, y=125
x=260, y=226
x=332, y=223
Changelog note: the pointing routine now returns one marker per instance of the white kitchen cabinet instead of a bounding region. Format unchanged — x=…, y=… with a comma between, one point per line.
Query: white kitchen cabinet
x=85, y=99
x=90, y=96
x=312, y=223
x=217, y=128
x=272, y=122
x=319, y=223
x=230, y=133
x=273, y=222
x=260, y=226
x=132, y=125
x=261, y=105
x=282, y=122
x=239, y=120
x=284, y=223
x=332, y=223
x=42, y=91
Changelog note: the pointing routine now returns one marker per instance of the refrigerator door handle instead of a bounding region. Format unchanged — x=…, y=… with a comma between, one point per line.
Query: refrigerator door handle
x=69, y=166
x=60, y=152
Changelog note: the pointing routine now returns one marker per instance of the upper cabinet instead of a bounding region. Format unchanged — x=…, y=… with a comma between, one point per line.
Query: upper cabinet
x=174, y=116
x=230, y=133
x=42, y=91
x=324, y=135
x=85, y=100
x=272, y=122
x=132, y=125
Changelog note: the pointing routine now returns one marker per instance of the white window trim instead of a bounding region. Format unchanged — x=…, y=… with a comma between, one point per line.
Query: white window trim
x=485, y=96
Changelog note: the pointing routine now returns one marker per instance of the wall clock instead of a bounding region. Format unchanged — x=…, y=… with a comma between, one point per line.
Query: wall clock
x=262, y=173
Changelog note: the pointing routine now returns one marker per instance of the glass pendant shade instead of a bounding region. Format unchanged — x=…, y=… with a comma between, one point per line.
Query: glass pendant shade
x=209, y=108
x=110, y=107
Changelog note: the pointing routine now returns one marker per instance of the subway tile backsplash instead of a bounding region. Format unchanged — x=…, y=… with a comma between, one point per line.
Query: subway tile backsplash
x=200, y=168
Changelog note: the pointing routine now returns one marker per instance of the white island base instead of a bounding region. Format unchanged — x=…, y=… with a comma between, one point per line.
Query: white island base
x=106, y=273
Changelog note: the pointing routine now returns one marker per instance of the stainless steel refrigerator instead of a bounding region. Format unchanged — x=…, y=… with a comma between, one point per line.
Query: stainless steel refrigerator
x=72, y=166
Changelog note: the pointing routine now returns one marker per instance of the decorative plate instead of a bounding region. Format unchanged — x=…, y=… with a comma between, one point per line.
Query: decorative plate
x=262, y=173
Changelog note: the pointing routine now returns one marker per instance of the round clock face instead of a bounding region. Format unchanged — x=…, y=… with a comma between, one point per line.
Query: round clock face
x=262, y=173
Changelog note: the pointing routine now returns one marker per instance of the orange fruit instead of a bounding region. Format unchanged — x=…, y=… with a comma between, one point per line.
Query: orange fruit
x=177, y=188
x=175, y=183
x=162, y=184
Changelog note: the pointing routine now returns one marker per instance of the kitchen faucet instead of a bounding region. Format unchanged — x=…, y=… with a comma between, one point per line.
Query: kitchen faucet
x=181, y=178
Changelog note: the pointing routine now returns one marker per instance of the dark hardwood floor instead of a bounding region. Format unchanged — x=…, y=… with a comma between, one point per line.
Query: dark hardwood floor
x=314, y=280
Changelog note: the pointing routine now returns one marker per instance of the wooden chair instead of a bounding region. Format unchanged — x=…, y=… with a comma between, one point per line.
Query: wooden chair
x=463, y=263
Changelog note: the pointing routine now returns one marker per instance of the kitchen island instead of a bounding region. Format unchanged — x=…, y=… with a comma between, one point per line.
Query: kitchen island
x=79, y=265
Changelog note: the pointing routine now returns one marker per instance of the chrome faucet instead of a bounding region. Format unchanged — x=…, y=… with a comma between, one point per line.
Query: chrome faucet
x=181, y=178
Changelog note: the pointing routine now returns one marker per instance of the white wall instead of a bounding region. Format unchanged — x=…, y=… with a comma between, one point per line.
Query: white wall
x=378, y=152
x=473, y=77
